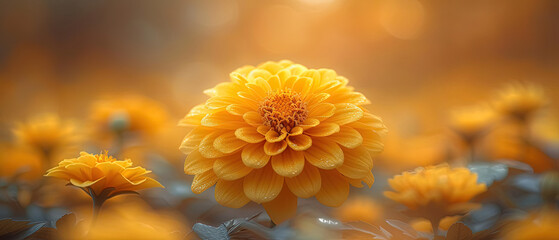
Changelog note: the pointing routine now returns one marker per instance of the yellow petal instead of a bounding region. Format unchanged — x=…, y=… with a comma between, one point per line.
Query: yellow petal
x=323, y=130
x=149, y=183
x=274, y=148
x=307, y=183
x=84, y=184
x=299, y=142
x=230, y=167
x=203, y=181
x=348, y=137
x=322, y=111
x=296, y=131
x=289, y=163
x=195, y=163
x=254, y=156
x=334, y=189
x=223, y=120
x=228, y=143
x=230, y=193
x=194, y=117
x=263, y=129
x=207, y=148
x=135, y=172
x=249, y=134
x=369, y=179
x=273, y=136
x=262, y=185
x=238, y=109
x=309, y=123
x=193, y=139
x=325, y=154
x=274, y=82
x=346, y=113
x=253, y=118
x=317, y=98
x=357, y=163
x=283, y=207
x=372, y=140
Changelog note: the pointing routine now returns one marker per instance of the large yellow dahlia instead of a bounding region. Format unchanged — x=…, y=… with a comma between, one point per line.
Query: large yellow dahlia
x=280, y=131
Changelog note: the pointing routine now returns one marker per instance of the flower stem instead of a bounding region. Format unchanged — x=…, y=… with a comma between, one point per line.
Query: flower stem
x=97, y=203
x=435, y=226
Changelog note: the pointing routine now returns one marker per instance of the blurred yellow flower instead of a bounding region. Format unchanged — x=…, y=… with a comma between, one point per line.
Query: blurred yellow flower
x=20, y=162
x=99, y=172
x=436, y=191
x=130, y=113
x=471, y=122
x=538, y=226
x=359, y=208
x=520, y=100
x=47, y=133
x=281, y=131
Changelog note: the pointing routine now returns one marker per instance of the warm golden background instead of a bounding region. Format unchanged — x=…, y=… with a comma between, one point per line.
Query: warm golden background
x=415, y=60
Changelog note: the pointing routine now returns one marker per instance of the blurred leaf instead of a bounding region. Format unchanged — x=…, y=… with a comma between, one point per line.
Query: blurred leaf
x=208, y=232
x=527, y=182
x=404, y=227
x=12, y=229
x=459, y=231
x=489, y=172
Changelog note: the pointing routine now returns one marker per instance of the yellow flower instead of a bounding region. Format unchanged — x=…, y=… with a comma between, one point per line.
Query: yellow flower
x=100, y=172
x=472, y=121
x=520, y=100
x=359, y=209
x=281, y=131
x=127, y=114
x=48, y=134
x=20, y=162
x=538, y=226
x=436, y=191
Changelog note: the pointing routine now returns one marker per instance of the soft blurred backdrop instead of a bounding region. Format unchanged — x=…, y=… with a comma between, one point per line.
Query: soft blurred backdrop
x=412, y=58
x=416, y=60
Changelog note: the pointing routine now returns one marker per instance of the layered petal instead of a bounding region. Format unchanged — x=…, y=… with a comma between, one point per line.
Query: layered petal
x=334, y=189
x=325, y=154
x=230, y=193
x=262, y=185
x=289, y=163
x=282, y=207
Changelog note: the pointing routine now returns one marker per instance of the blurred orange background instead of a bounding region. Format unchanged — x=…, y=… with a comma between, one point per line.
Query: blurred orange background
x=413, y=59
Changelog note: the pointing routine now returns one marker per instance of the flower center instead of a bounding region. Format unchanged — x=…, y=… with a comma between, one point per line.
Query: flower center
x=283, y=109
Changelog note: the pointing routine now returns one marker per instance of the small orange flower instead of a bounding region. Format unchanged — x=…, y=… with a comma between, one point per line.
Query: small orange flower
x=520, y=100
x=281, y=131
x=436, y=190
x=127, y=114
x=100, y=172
x=472, y=121
x=48, y=134
x=20, y=162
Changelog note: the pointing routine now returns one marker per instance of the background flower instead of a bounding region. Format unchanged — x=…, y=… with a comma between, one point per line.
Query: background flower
x=48, y=134
x=281, y=131
x=100, y=172
x=436, y=191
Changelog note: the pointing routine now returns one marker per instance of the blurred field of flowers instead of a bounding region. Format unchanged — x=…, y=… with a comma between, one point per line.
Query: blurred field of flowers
x=455, y=103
